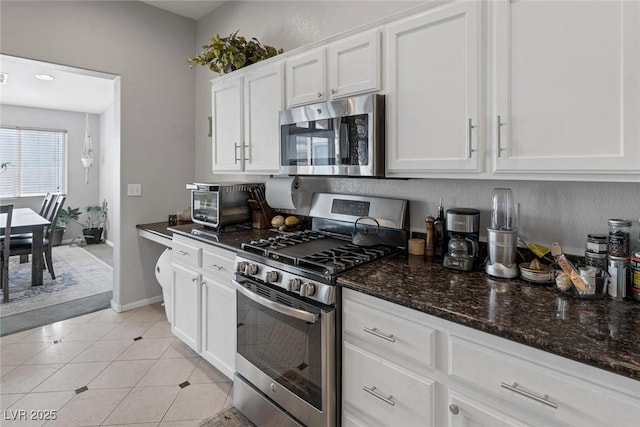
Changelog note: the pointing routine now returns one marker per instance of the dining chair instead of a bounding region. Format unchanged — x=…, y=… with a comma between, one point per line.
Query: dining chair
x=5, y=251
x=47, y=202
x=23, y=246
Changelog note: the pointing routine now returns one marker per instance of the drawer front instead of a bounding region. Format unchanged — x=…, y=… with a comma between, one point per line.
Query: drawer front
x=217, y=265
x=396, y=338
x=384, y=393
x=551, y=393
x=185, y=254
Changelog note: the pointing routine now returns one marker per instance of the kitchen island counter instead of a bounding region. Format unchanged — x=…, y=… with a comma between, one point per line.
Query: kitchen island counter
x=601, y=333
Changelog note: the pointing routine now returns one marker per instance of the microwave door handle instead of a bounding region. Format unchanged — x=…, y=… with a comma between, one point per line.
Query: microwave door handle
x=345, y=149
x=283, y=309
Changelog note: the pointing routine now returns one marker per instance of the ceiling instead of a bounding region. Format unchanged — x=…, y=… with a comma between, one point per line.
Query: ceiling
x=188, y=8
x=71, y=90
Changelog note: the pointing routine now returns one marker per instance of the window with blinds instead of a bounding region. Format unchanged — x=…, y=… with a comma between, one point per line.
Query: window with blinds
x=34, y=159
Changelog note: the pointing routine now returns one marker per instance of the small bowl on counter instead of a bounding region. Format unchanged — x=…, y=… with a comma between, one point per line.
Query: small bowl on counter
x=537, y=273
x=594, y=279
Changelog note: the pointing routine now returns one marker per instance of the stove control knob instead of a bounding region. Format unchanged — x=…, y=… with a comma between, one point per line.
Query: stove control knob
x=240, y=267
x=251, y=269
x=294, y=285
x=271, y=277
x=307, y=289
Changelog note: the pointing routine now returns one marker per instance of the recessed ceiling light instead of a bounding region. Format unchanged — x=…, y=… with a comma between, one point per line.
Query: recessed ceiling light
x=46, y=77
x=3, y=78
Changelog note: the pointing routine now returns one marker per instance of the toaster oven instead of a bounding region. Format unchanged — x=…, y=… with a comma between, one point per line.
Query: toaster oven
x=218, y=205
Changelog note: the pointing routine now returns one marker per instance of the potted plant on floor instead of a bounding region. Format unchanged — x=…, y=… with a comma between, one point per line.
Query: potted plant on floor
x=96, y=218
x=64, y=217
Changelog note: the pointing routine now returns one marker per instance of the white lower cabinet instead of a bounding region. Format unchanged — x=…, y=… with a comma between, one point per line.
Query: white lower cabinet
x=466, y=377
x=186, y=306
x=465, y=412
x=219, y=325
x=384, y=393
x=204, y=301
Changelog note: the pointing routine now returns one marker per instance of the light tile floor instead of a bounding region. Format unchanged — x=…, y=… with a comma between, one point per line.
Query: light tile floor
x=107, y=368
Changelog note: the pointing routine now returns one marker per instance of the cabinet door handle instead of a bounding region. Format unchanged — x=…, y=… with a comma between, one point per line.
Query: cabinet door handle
x=195, y=279
x=470, y=139
x=215, y=267
x=374, y=392
x=235, y=153
x=319, y=94
x=499, y=125
x=544, y=399
x=454, y=409
x=246, y=156
x=332, y=91
x=377, y=333
x=183, y=253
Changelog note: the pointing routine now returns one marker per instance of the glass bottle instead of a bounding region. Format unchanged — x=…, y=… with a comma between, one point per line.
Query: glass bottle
x=439, y=234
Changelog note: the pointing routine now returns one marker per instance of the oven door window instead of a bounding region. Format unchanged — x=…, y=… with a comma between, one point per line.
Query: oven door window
x=285, y=348
x=205, y=206
x=326, y=142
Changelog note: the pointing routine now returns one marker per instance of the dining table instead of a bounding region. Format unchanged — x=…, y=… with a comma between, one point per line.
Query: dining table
x=26, y=220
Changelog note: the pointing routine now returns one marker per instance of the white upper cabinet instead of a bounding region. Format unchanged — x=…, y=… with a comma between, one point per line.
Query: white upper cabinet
x=245, y=129
x=264, y=98
x=566, y=80
x=354, y=65
x=226, y=132
x=433, y=75
x=345, y=67
x=306, y=78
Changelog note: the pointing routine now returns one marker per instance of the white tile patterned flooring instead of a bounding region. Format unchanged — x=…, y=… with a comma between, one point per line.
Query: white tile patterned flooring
x=129, y=381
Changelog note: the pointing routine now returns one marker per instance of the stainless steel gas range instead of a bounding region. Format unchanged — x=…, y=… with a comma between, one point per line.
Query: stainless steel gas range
x=288, y=331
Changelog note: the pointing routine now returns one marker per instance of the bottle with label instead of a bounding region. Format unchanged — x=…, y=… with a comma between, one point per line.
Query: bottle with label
x=439, y=234
x=635, y=272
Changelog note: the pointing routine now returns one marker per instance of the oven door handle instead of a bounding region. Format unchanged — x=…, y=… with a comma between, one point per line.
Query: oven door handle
x=283, y=309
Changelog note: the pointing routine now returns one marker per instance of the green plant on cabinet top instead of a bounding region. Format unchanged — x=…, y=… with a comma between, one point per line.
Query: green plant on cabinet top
x=227, y=54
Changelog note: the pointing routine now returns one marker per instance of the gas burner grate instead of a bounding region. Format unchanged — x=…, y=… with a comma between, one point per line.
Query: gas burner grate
x=267, y=247
x=344, y=257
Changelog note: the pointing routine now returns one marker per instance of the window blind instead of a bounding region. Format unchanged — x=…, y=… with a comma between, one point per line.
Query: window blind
x=35, y=161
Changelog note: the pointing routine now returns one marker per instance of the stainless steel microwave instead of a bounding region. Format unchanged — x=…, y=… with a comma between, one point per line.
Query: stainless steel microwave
x=343, y=137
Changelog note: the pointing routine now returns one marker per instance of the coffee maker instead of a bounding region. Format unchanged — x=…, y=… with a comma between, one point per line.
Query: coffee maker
x=462, y=226
x=502, y=236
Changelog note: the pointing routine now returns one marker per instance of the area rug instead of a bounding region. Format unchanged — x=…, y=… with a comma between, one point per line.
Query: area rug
x=79, y=274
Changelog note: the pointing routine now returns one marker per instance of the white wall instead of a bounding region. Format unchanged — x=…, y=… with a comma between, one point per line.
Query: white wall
x=78, y=193
x=564, y=212
x=148, y=48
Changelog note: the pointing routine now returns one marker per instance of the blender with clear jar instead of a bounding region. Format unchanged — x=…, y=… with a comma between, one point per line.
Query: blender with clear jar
x=502, y=236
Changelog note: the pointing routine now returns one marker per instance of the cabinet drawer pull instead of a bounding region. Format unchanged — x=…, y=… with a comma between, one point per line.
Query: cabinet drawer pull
x=470, y=140
x=374, y=392
x=544, y=399
x=332, y=91
x=215, y=267
x=454, y=409
x=183, y=253
x=499, y=124
x=377, y=333
x=319, y=94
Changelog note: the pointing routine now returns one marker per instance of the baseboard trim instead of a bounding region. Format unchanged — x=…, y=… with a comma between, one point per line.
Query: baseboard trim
x=141, y=303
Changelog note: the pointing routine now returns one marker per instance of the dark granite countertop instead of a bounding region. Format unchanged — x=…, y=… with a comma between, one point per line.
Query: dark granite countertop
x=230, y=239
x=602, y=333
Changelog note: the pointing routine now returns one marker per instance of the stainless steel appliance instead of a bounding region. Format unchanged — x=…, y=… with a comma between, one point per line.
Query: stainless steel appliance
x=502, y=236
x=288, y=333
x=463, y=225
x=343, y=137
x=219, y=205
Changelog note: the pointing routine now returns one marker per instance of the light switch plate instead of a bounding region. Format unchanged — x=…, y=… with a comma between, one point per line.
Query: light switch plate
x=134, y=190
